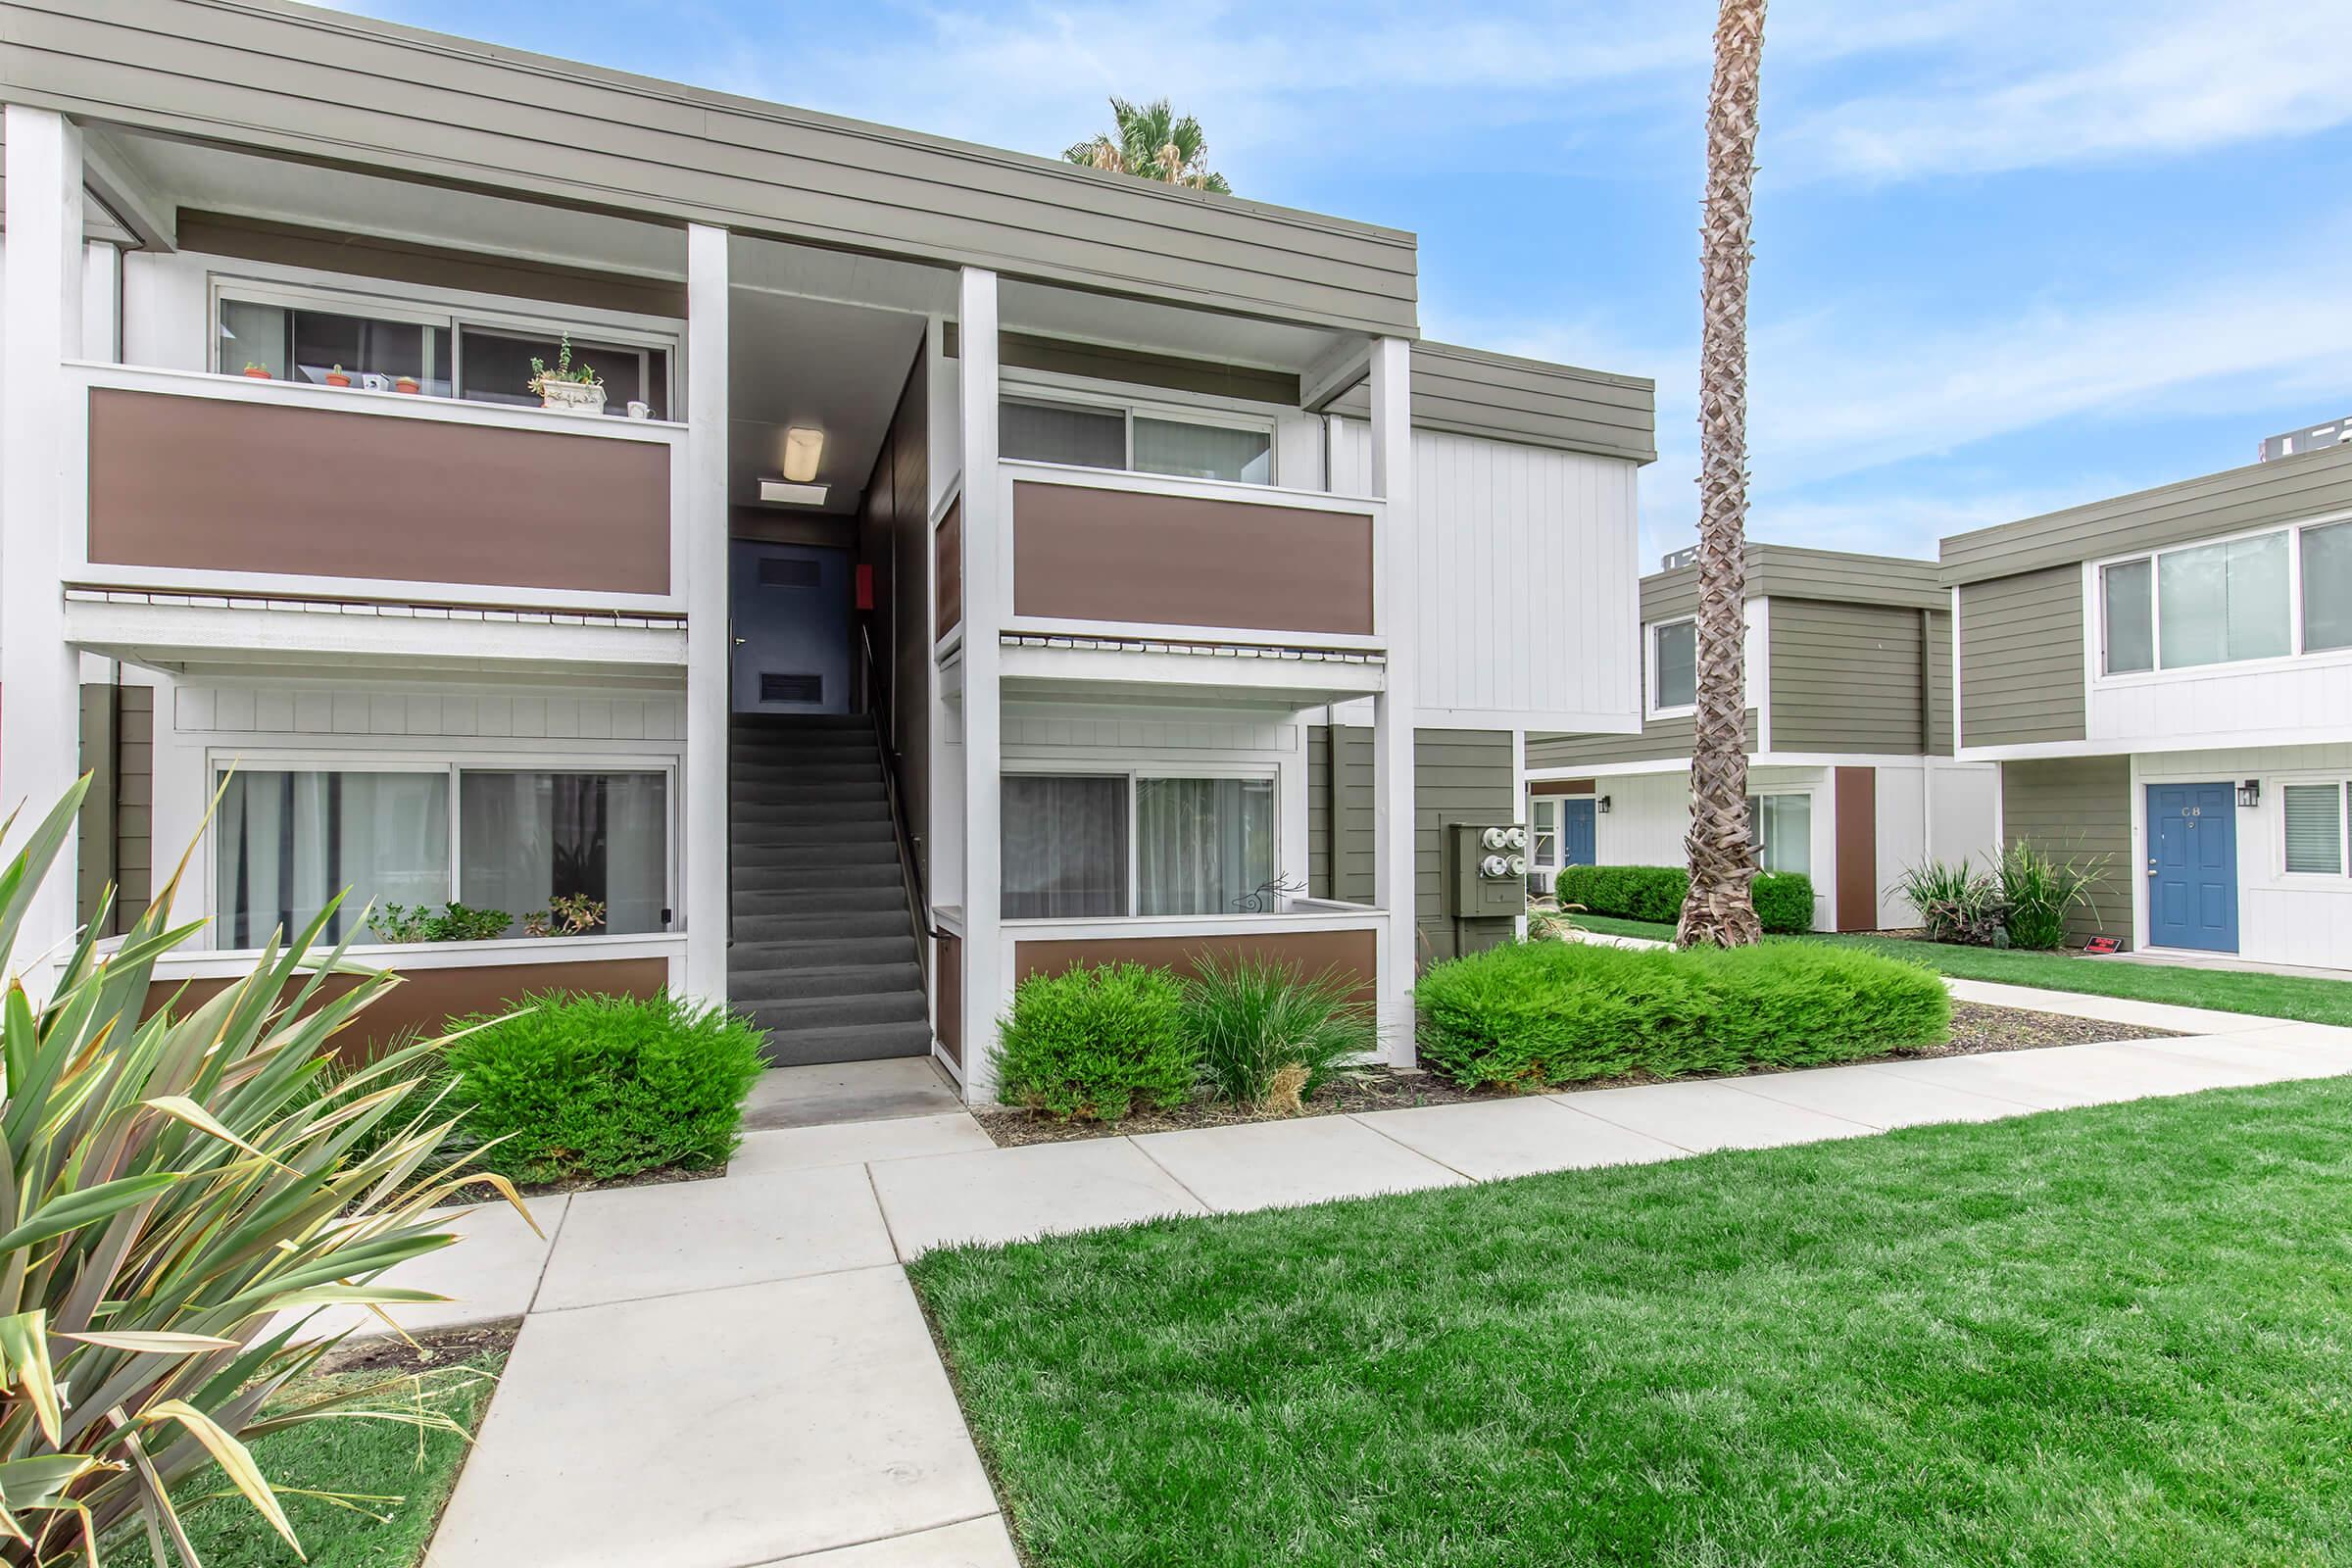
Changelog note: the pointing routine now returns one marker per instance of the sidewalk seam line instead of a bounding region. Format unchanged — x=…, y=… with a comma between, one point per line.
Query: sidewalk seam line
x=869, y=1541
x=731, y=1285
x=889, y=1232
x=1206, y=1207
x=1417, y=1153
x=539, y=1279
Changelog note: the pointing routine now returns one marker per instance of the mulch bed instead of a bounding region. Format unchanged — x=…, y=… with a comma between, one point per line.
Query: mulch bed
x=1977, y=1030
x=438, y=1348
x=660, y=1176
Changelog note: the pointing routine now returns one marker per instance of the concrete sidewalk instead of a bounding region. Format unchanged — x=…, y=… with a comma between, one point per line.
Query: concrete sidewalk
x=734, y=1373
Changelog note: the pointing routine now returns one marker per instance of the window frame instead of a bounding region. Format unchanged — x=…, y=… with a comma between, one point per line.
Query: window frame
x=1652, y=707
x=220, y=761
x=1128, y=774
x=593, y=329
x=2299, y=651
x=2342, y=873
x=1014, y=387
x=1756, y=796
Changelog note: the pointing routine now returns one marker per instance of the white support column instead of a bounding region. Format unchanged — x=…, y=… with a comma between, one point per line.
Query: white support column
x=1394, y=811
x=703, y=812
x=40, y=328
x=985, y=954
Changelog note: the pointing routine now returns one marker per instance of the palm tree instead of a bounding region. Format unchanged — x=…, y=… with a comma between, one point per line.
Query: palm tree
x=1719, y=909
x=1152, y=143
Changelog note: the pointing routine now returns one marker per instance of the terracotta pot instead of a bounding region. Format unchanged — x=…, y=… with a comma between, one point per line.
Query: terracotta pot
x=337, y=379
x=407, y=384
x=257, y=372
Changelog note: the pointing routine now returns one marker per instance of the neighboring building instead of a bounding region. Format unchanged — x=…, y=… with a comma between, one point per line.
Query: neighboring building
x=970, y=595
x=1851, y=774
x=2166, y=681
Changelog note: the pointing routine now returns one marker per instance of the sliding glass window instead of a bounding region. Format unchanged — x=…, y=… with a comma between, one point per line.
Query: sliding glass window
x=1082, y=846
x=287, y=843
x=599, y=842
x=1088, y=435
x=2327, y=587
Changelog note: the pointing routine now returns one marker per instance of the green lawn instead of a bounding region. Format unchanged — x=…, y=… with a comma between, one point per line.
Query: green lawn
x=2114, y=1336
x=398, y=1476
x=2269, y=996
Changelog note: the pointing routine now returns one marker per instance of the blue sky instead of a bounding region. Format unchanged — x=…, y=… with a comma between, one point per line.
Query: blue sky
x=2010, y=256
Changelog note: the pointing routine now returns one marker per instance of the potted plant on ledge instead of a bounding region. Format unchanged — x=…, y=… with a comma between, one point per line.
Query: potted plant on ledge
x=567, y=387
x=258, y=370
x=338, y=377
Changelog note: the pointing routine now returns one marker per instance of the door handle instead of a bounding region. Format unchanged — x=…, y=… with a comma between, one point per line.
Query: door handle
x=739, y=642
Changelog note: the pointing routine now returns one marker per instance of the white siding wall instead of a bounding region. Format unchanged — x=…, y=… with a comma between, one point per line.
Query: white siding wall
x=1528, y=614
x=2281, y=919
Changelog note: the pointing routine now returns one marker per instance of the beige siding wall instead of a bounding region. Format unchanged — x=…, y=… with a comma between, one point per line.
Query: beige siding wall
x=2073, y=809
x=1846, y=677
x=2020, y=658
x=1458, y=774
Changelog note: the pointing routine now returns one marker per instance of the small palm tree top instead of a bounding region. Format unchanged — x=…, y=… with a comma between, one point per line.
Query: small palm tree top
x=1151, y=142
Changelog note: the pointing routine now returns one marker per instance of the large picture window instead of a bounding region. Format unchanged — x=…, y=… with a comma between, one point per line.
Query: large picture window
x=559, y=852
x=2265, y=596
x=1080, y=846
x=1089, y=435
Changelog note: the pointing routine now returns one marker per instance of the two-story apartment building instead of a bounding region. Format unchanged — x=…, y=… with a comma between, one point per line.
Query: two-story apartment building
x=952, y=586
x=1851, y=769
x=2165, y=680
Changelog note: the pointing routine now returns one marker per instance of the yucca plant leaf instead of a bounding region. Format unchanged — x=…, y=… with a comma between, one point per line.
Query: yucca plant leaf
x=235, y=1459
x=70, y=1210
x=154, y=1341
x=25, y=1361
x=32, y=863
x=35, y=1481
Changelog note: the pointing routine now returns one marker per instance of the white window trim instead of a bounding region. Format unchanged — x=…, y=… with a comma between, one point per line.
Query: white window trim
x=595, y=328
x=1650, y=706
x=220, y=759
x=1042, y=388
x=1813, y=815
x=2344, y=831
x=2298, y=658
x=1130, y=774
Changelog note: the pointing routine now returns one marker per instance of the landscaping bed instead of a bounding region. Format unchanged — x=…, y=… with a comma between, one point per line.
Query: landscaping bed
x=1976, y=1029
x=2109, y=1336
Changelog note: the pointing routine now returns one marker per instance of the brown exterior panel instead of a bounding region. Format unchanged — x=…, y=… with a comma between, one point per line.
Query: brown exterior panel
x=1081, y=553
x=428, y=998
x=1561, y=786
x=947, y=1012
x=196, y=483
x=1857, y=848
x=947, y=567
x=1353, y=953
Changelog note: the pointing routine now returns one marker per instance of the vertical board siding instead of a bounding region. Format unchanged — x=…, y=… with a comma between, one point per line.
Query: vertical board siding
x=1845, y=678
x=2020, y=658
x=1339, y=812
x=2074, y=809
x=1458, y=774
x=456, y=711
x=114, y=835
x=1940, y=682
x=1522, y=555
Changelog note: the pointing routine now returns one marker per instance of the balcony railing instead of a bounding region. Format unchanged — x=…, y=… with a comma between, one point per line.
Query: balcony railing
x=228, y=485
x=1131, y=553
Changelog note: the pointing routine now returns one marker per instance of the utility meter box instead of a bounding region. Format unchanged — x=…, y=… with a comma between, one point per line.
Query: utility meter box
x=1485, y=864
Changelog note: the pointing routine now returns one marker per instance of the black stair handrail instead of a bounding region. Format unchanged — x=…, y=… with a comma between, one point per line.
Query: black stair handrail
x=877, y=707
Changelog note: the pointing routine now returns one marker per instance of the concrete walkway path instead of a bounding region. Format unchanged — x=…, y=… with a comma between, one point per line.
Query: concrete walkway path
x=734, y=1373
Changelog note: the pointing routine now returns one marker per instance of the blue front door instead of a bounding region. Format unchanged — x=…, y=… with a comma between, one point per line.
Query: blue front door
x=1576, y=832
x=2192, y=866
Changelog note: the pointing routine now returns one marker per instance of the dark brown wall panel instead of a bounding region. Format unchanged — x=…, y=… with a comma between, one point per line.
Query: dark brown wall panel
x=947, y=1024
x=1857, y=848
x=209, y=482
x=1087, y=554
x=1353, y=953
x=1561, y=786
x=427, y=999
x=949, y=567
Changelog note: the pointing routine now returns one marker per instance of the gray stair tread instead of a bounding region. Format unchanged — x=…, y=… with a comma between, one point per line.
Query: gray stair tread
x=861, y=1043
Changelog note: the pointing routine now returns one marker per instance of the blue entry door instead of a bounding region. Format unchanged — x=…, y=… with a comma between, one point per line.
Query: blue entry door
x=2192, y=866
x=1576, y=832
x=791, y=608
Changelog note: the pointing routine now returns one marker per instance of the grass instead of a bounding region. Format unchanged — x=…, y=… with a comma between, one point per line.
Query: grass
x=398, y=1477
x=2112, y=1336
x=2269, y=996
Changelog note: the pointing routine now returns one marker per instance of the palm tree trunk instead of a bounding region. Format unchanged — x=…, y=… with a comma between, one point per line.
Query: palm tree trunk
x=1719, y=908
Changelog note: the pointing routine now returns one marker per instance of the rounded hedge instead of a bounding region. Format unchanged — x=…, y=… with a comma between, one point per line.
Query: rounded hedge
x=1092, y=1041
x=1784, y=899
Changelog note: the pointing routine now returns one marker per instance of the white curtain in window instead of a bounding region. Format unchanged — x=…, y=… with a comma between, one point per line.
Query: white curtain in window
x=1202, y=844
x=2225, y=602
x=1204, y=450
x=1064, y=839
x=287, y=843
x=527, y=838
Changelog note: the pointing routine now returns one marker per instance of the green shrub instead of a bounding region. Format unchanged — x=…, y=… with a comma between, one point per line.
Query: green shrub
x=1266, y=1036
x=1090, y=1042
x=1551, y=1012
x=2040, y=892
x=1784, y=900
x=453, y=922
x=596, y=1087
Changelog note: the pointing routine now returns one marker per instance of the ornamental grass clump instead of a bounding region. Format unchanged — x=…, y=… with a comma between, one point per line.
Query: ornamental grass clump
x=1093, y=1041
x=592, y=1087
x=1534, y=1014
x=2040, y=894
x=1957, y=903
x=1268, y=1037
x=171, y=1187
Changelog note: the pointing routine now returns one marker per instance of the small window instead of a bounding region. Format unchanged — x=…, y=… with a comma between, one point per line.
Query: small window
x=1782, y=826
x=1202, y=846
x=1062, y=432
x=289, y=842
x=2315, y=823
x=1204, y=450
x=2131, y=626
x=2327, y=587
x=1065, y=845
x=1675, y=677
x=308, y=345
